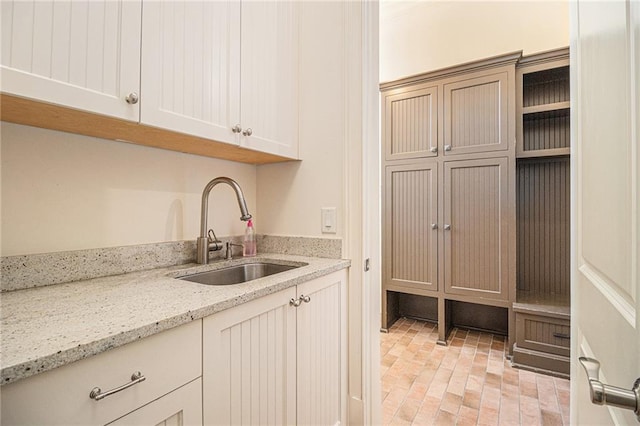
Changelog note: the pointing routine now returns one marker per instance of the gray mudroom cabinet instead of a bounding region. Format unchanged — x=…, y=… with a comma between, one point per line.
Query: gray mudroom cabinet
x=449, y=216
x=476, y=202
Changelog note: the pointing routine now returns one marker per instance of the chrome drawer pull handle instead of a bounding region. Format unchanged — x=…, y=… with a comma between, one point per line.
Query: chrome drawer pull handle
x=561, y=336
x=97, y=394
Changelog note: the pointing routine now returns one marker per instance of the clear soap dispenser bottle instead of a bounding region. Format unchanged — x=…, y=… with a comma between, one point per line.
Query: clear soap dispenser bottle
x=249, y=244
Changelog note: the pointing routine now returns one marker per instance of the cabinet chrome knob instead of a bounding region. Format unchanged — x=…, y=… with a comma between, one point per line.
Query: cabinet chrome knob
x=132, y=98
x=434, y=149
x=247, y=132
x=295, y=302
x=236, y=128
x=434, y=226
x=447, y=227
x=447, y=147
x=305, y=299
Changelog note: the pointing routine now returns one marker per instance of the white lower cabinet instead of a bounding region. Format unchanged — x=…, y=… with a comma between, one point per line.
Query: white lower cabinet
x=171, y=363
x=280, y=359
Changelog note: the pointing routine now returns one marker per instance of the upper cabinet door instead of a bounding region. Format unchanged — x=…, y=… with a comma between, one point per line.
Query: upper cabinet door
x=476, y=114
x=191, y=67
x=269, y=95
x=410, y=124
x=79, y=54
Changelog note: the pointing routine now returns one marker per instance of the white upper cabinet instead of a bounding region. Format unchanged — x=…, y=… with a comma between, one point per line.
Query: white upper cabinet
x=224, y=71
x=81, y=54
x=191, y=67
x=269, y=77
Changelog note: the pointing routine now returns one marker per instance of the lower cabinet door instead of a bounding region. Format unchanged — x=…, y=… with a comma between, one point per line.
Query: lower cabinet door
x=249, y=363
x=182, y=407
x=476, y=230
x=322, y=348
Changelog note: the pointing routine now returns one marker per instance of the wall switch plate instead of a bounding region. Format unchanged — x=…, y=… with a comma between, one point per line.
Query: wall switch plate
x=329, y=219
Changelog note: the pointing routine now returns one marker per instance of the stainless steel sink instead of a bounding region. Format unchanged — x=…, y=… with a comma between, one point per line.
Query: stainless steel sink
x=238, y=274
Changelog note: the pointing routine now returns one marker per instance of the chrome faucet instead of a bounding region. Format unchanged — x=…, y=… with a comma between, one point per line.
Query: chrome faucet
x=206, y=243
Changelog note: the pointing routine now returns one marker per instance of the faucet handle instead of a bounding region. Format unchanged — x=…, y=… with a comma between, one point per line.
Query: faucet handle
x=213, y=240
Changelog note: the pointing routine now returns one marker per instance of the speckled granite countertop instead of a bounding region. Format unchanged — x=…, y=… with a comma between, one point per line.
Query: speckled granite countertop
x=47, y=327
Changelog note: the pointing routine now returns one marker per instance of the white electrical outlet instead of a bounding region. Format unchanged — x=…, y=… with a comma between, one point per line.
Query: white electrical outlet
x=328, y=220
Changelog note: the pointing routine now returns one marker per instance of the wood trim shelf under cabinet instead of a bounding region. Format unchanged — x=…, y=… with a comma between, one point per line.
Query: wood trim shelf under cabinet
x=18, y=110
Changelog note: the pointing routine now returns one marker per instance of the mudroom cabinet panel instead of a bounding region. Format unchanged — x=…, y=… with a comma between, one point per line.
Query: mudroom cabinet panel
x=411, y=123
x=411, y=210
x=543, y=173
x=476, y=115
x=475, y=228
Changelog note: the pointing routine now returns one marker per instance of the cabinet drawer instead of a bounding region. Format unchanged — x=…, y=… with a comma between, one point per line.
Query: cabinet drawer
x=168, y=360
x=182, y=407
x=544, y=334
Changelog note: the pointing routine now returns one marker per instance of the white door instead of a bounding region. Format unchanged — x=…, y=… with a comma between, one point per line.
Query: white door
x=249, y=363
x=605, y=93
x=191, y=67
x=80, y=54
x=321, y=351
x=269, y=77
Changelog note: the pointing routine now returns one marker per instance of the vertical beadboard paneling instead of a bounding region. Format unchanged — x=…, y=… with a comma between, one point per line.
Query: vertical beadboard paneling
x=411, y=124
x=83, y=54
x=6, y=31
x=476, y=114
x=543, y=216
x=543, y=332
x=474, y=120
x=545, y=87
x=268, y=75
x=110, y=49
x=256, y=343
x=60, y=41
x=319, y=355
x=43, y=25
x=546, y=130
x=248, y=366
x=475, y=246
x=95, y=46
x=21, y=36
x=190, y=53
x=78, y=44
x=411, y=208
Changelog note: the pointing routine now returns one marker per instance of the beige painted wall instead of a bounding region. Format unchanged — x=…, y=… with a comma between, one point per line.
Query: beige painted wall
x=290, y=195
x=69, y=192
x=420, y=36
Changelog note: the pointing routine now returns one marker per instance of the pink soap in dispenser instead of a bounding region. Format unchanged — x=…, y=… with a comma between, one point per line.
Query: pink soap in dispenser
x=249, y=244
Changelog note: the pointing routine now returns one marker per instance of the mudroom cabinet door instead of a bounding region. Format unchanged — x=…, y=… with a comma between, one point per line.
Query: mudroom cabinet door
x=476, y=228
